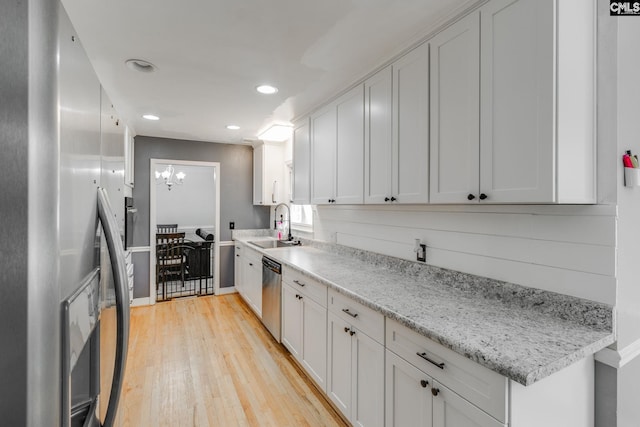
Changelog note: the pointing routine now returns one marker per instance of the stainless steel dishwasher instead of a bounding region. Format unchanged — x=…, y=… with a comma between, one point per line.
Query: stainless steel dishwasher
x=271, y=296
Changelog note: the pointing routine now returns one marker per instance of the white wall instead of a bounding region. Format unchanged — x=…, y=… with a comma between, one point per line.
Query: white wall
x=628, y=198
x=566, y=249
x=628, y=307
x=190, y=205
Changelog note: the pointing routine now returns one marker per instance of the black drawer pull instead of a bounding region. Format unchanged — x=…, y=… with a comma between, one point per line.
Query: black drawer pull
x=298, y=283
x=424, y=383
x=346, y=310
x=425, y=357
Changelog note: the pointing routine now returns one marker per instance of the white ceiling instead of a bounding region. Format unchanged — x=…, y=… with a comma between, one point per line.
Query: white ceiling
x=211, y=54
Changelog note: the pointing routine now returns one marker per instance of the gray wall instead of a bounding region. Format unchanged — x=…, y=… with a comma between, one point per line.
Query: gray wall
x=236, y=189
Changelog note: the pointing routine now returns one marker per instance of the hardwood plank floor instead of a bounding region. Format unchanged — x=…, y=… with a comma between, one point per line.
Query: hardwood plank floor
x=208, y=361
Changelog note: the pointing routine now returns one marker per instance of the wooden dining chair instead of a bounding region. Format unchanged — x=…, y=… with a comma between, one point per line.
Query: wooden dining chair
x=167, y=228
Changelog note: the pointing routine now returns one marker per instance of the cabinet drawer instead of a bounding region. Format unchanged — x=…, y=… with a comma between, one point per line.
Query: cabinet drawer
x=365, y=319
x=481, y=386
x=305, y=285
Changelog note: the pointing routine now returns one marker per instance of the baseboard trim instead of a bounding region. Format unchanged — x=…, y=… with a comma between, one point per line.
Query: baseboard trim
x=618, y=358
x=227, y=290
x=140, y=302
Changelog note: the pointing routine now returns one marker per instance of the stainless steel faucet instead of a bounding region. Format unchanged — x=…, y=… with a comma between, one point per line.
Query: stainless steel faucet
x=275, y=213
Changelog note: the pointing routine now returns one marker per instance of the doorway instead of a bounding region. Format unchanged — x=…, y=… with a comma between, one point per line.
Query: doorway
x=184, y=221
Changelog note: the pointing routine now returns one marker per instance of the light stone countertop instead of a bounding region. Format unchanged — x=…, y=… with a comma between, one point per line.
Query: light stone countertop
x=521, y=333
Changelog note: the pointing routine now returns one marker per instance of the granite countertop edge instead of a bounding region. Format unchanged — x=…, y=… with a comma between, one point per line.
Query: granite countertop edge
x=510, y=371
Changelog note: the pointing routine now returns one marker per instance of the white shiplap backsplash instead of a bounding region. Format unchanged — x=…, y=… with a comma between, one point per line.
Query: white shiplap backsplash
x=568, y=249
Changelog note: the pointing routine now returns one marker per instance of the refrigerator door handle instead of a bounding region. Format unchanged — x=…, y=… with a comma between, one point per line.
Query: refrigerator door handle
x=119, y=270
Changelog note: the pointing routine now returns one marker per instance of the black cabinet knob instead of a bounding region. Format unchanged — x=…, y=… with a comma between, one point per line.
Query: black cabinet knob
x=424, y=383
x=329, y=200
x=352, y=333
x=386, y=199
x=435, y=391
x=393, y=199
x=346, y=329
x=483, y=196
x=471, y=197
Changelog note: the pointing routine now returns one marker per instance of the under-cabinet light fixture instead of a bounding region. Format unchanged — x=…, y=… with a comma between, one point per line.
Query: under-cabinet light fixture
x=276, y=133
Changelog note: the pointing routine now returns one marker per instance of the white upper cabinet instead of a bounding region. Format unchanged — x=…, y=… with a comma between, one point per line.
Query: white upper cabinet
x=350, y=147
x=410, y=155
x=517, y=143
x=323, y=155
x=337, y=150
x=537, y=101
x=512, y=122
x=510, y=116
x=301, y=162
x=378, y=136
x=396, y=131
x=455, y=112
x=268, y=174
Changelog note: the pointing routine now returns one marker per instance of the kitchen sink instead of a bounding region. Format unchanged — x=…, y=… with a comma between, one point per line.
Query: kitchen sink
x=270, y=244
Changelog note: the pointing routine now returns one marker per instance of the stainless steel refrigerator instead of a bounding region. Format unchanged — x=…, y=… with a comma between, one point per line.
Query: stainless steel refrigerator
x=63, y=308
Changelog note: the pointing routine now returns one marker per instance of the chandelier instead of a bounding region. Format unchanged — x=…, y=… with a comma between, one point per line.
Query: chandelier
x=169, y=177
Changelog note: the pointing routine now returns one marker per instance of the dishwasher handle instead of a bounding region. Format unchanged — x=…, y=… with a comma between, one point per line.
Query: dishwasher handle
x=271, y=265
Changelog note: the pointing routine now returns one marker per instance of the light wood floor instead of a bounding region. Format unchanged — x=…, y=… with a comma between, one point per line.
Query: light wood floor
x=208, y=361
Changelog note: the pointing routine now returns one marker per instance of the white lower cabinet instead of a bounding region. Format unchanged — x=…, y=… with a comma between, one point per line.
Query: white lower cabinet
x=237, y=268
x=304, y=324
x=314, y=340
x=355, y=366
x=451, y=410
x=250, y=277
x=408, y=394
x=413, y=398
x=291, y=321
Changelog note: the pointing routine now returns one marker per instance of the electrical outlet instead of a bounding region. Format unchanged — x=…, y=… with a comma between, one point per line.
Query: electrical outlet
x=421, y=254
x=232, y=225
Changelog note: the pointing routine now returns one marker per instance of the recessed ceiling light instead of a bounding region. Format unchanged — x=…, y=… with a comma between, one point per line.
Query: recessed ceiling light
x=267, y=89
x=140, y=65
x=233, y=127
x=276, y=133
x=150, y=117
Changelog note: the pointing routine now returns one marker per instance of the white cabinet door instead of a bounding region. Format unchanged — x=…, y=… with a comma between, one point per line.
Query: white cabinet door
x=407, y=395
x=258, y=175
x=367, y=381
x=377, y=136
x=410, y=128
x=292, y=321
x=252, y=280
x=349, y=179
x=237, y=269
x=301, y=162
x=268, y=174
x=314, y=340
x=517, y=105
x=339, y=363
x=323, y=155
x=455, y=113
x=451, y=410
x=256, y=286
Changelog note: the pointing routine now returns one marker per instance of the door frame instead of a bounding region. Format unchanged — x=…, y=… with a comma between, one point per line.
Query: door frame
x=152, y=221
